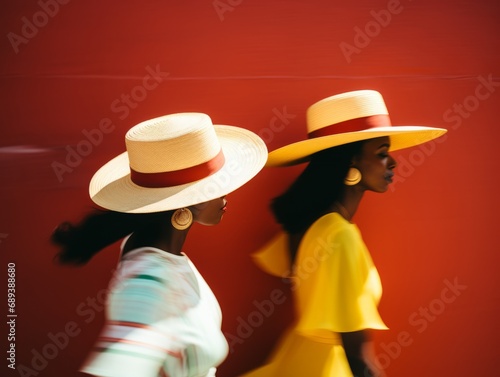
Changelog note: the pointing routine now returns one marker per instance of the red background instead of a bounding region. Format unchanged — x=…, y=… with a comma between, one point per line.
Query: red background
x=244, y=62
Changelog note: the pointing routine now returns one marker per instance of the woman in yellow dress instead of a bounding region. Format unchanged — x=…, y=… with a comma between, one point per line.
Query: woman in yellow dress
x=335, y=283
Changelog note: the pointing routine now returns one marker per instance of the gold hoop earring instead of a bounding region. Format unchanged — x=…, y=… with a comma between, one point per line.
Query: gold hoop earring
x=182, y=219
x=353, y=177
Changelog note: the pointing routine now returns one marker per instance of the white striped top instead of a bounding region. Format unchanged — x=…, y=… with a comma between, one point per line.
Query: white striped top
x=162, y=320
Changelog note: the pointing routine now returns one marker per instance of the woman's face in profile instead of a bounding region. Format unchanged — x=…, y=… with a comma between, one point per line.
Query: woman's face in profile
x=211, y=212
x=375, y=164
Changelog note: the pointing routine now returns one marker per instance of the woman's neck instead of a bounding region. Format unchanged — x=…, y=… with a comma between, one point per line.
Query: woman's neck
x=170, y=240
x=348, y=204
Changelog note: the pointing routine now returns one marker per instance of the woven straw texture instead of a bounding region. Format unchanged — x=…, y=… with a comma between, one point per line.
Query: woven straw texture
x=245, y=155
x=344, y=107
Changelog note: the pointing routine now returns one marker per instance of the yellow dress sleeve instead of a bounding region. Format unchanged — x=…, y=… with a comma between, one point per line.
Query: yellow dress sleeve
x=337, y=285
x=274, y=257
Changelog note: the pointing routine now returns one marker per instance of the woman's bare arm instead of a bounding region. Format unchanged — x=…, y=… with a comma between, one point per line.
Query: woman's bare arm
x=360, y=354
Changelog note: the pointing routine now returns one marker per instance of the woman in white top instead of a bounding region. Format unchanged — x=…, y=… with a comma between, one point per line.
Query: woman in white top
x=162, y=319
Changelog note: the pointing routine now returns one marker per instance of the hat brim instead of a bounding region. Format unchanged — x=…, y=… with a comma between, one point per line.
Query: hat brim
x=401, y=137
x=245, y=155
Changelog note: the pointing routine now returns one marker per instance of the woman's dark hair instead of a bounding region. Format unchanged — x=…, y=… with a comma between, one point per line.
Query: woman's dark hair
x=316, y=189
x=101, y=228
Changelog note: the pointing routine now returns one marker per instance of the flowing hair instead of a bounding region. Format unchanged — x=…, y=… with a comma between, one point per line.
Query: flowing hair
x=316, y=189
x=99, y=229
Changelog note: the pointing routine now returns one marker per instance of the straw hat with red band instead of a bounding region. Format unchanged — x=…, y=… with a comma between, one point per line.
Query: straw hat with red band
x=176, y=161
x=346, y=118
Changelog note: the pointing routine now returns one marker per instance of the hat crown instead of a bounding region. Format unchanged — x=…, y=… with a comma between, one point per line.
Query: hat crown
x=344, y=107
x=172, y=142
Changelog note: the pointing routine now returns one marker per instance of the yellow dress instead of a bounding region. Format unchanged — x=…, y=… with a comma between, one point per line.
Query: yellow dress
x=336, y=289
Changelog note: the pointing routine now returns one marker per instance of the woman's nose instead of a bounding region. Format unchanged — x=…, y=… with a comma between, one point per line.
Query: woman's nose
x=391, y=163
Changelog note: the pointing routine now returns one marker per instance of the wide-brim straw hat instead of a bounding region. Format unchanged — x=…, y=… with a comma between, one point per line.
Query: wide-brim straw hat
x=346, y=118
x=176, y=161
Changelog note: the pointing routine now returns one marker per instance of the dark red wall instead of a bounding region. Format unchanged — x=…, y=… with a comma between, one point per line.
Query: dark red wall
x=72, y=83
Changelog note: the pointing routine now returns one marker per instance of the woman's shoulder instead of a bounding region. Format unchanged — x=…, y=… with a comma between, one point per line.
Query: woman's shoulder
x=332, y=221
x=333, y=226
x=148, y=256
